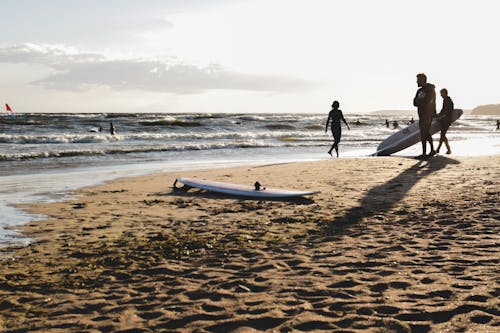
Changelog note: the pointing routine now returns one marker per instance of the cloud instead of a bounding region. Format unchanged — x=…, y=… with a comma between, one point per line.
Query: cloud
x=76, y=70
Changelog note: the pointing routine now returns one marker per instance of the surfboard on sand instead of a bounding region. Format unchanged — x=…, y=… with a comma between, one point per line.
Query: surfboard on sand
x=242, y=190
x=409, y=136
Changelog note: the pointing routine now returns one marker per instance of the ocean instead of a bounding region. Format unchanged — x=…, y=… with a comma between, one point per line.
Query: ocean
x=44, y=157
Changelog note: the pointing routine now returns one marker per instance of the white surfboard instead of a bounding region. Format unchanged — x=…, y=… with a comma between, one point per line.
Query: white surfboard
x=409, y=136
x=242, y=190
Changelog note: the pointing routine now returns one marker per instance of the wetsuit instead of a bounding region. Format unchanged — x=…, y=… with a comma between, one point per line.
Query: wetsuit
x=425, y=101
x=336, y=116
x=446, y=114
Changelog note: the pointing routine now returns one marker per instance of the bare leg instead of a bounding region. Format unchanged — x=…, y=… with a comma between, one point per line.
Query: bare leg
x=331, y=148
x=424, y=147
x=423, y=137
x=447, y=146
x=336, y=136
x=444, y=139
x=336, y=140
x=433, y=152
x=441, y=140
x=429, y=136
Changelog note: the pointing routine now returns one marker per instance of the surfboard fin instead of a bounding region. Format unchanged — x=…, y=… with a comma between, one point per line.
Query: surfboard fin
x=258, y=186
x=183, y=188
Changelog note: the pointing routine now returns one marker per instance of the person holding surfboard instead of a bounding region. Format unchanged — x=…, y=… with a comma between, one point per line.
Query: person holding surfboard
x=445, y=119
x=335, y=116
x=425, y=101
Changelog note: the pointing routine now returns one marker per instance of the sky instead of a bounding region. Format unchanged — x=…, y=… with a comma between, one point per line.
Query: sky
x=244, y=56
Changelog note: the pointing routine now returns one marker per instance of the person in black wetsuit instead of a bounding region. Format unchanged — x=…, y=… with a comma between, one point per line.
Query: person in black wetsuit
x=445, y=119
x=335, y=116
x=112, y=129
x=425, y=101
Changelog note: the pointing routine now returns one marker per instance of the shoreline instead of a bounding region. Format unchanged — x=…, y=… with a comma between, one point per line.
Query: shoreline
x=389, y=244
x=57, y=185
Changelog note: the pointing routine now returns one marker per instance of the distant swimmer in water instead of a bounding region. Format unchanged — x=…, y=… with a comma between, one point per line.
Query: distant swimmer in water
x=112, y=130
x=445, y=119
x=387, y=123
x=411, y=121
x=498, y=124
x=395, y=124
x=335, y=116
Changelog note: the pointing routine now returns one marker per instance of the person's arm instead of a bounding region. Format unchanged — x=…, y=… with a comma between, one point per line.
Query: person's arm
x=448, y=108
x=449, y=105
x=443, y=108
x=345, y=122
x=416, y=101
x=432, y=100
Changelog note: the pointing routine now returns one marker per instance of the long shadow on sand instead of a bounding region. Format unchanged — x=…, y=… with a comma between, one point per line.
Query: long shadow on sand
x=383, y=198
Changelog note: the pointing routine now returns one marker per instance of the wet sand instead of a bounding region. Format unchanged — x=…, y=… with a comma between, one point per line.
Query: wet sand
x=389, y=245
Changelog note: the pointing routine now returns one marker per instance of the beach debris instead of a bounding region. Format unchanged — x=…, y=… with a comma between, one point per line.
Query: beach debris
x=152, y=202
x=243, y=288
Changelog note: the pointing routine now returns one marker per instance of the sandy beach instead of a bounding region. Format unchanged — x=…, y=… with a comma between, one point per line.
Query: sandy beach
x=388, y=245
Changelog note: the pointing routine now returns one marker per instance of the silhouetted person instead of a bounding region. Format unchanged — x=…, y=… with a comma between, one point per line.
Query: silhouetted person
x=498, y=124
x=445, y=119
x=335, y=116
x=387, y=123
x=411, y=121
x=425, y=101
x=395, y=124
x=112, y=130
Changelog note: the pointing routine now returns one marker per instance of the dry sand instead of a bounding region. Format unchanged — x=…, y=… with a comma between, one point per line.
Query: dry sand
x=389, y=245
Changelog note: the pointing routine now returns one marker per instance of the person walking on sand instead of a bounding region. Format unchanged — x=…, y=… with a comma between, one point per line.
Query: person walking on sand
x=425, y=101
x=445, y=119
x=335, y=116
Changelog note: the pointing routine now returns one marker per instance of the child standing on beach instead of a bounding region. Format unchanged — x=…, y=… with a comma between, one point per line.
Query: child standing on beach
x=335, y=116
